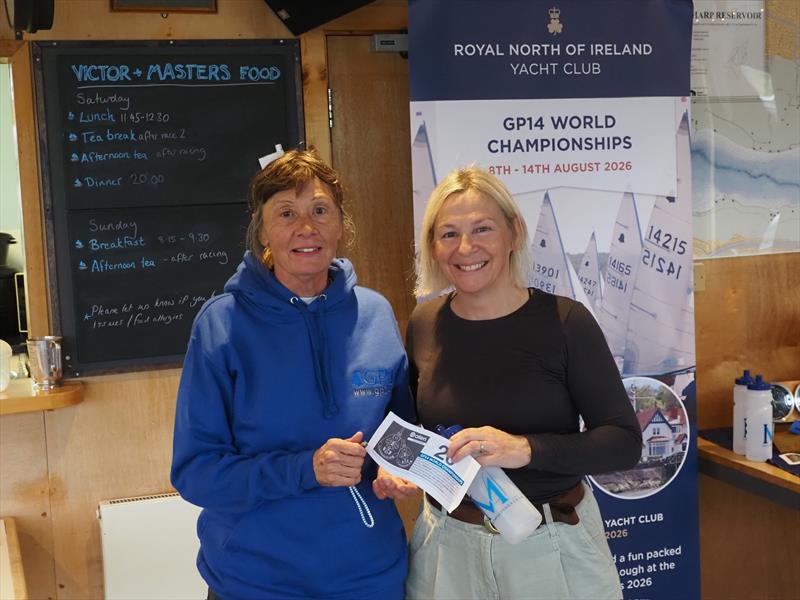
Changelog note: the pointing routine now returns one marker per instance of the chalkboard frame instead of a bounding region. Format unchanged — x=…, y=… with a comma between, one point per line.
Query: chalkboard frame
x=59, y=278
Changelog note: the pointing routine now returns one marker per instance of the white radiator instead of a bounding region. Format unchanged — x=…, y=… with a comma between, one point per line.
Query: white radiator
x=149, y=549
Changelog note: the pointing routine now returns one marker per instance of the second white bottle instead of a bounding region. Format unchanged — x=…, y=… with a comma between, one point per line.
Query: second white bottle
x=758, y=438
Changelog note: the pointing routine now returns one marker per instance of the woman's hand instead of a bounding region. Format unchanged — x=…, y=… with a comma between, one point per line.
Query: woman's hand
x=387, y=485
x=338, y=461
x=490, y=447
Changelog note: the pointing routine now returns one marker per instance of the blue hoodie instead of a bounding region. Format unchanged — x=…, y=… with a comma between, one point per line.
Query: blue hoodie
x=266, y=381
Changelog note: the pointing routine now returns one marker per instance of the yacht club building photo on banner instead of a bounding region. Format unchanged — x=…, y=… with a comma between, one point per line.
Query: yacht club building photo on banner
x=582, y=109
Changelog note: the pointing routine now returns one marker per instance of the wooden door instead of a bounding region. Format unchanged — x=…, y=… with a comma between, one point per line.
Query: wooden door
x=371, y=149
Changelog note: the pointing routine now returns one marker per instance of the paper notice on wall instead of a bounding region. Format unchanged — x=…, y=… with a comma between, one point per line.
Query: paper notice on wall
x=728, y=50
x=420, y=456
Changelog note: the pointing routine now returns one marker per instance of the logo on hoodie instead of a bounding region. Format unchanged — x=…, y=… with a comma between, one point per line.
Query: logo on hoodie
x=371, y=382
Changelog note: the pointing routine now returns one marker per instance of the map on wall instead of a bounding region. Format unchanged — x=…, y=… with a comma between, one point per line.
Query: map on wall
x=745, y=147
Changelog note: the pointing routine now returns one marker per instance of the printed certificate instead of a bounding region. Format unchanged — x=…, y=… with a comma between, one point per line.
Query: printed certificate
x=420, y=456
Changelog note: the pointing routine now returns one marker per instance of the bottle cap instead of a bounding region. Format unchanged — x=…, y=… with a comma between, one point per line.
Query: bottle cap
x=446, y=432
x=759, y=385
x=745, y=379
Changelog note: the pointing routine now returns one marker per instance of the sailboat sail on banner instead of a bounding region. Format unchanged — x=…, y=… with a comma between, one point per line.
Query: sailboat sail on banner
x=550, y=265
x=552, y=270
x=623, y=264
x=661, y=326
x=589, y=273
x=423, y=175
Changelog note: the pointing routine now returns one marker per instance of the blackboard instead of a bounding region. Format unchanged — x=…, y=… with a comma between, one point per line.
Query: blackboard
x=147, y=149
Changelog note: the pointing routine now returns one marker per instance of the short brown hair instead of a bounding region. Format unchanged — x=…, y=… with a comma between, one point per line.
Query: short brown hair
x=292, y=170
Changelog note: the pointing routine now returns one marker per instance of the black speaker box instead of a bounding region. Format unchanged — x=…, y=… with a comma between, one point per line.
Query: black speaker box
x=30, y=15
x=302, y=15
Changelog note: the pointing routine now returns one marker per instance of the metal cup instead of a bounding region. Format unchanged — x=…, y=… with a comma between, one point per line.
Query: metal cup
x=44, y=354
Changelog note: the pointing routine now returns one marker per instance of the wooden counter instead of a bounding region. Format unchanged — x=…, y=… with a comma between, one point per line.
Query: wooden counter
x=746, y=505
x=760, y=478
x=22, y=397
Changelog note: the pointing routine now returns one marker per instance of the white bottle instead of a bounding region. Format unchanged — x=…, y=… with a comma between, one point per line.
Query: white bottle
x=506, y=507
x=740, y=411
x=760, y=427
x=504, y=504
x=5, y=365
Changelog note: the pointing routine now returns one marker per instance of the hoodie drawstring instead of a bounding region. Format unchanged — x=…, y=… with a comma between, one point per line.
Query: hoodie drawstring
x=319, y=346
x=359, y=500
x=322, y=366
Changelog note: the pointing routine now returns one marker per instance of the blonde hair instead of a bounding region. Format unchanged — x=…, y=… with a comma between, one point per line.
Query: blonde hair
x=430, y=279
x=291, y=171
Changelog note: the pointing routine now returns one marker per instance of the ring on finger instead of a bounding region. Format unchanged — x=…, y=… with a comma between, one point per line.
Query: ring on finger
x=482, y=449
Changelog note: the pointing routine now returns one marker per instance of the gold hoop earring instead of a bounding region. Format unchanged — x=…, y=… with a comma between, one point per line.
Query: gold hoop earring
x=266, y=257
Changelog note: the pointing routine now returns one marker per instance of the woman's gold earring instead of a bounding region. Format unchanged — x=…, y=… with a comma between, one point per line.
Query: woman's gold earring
x=266, y=256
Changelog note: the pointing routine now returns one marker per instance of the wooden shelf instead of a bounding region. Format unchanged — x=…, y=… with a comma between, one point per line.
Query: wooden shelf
x=20, y=397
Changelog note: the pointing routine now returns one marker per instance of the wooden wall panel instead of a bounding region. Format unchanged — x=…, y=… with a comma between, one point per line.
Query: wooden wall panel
x=24, y=495
x=748, y=316
x=6, y=33
x=372, y=152
x=315, y=92
x=116, y=443
x=782, y=21
x=94, y=20
x=36, y=295
x=748, y=545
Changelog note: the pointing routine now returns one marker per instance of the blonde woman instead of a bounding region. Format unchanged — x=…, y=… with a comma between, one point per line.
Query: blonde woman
x=516, y=367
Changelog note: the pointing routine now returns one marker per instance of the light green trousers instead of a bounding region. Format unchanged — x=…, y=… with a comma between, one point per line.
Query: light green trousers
x=455, y=560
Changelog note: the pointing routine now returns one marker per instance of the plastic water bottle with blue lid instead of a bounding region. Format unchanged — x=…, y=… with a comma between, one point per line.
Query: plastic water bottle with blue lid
x=502, y=502
x=760, y=427
x=740, y=411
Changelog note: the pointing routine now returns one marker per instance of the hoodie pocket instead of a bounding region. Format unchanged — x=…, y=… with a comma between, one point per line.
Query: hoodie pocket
x=213, y=531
